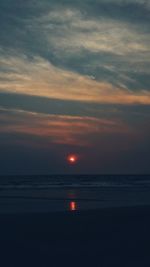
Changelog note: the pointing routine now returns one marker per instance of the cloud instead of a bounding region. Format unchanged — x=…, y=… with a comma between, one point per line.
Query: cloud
x=107, y=40
x=104, y=145
x=39, y=77
x=75, y=74
x=59, y=129
x=124, y=2
x=70, y=31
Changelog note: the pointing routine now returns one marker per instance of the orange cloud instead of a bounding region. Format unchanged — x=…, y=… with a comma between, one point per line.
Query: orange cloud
x=59, y=129
x=40, y=78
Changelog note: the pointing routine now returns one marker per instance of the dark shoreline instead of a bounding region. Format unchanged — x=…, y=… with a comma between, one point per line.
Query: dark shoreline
x=104, y=237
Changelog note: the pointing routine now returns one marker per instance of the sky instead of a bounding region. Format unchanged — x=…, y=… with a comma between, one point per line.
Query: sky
x=74, y=79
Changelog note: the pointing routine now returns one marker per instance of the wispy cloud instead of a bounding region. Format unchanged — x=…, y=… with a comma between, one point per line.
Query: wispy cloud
x=76, y=74
x=97, y=40
x=70, y=31
x=59, y=129
x=39, y=77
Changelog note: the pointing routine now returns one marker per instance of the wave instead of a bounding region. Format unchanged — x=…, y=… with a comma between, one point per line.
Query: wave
x=72, y=185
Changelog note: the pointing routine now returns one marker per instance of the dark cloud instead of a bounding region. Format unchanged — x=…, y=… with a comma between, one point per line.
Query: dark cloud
x=25, y=27
x=112, y=154
x=94, y=44
x=129, y=113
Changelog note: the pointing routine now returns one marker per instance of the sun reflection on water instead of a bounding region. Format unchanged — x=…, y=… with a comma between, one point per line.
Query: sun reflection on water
x=72, y=206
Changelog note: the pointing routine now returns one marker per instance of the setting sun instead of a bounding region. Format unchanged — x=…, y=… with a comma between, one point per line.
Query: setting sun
x=72, y=159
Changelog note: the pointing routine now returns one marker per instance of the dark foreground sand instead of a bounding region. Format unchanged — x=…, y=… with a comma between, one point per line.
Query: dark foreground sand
x=107, y=237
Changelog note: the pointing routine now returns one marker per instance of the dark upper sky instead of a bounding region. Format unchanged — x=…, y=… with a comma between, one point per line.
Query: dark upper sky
x=74, y=78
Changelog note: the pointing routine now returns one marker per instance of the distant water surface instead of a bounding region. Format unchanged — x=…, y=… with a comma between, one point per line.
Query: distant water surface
x=72, y=192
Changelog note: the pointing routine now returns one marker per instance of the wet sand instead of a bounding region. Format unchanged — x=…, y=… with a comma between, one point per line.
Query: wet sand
x=105, y=237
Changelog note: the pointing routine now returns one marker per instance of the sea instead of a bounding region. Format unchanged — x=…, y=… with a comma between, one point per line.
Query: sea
x=72, y=193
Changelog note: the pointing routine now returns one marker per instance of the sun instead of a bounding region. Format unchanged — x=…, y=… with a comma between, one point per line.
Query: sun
x=72, y=159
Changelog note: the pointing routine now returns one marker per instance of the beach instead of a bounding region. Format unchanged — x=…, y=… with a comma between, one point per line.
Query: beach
x=118, y=236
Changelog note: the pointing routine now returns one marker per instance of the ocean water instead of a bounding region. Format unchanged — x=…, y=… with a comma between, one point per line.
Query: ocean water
x=72, y=192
